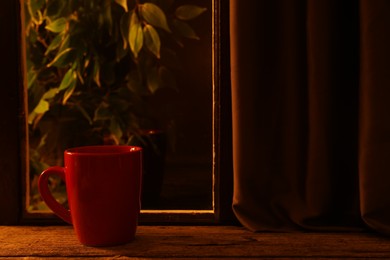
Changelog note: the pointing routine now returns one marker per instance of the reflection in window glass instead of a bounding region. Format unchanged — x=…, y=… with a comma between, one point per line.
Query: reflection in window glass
x=123, y=72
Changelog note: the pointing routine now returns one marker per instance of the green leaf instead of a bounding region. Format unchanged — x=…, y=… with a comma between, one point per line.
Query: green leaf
x=120, y=51
x=136, y=36
x=57, y=26
x=69, y=91
x=116, y=130
x=188, y=12
x=134, y=83
x=32, y=36
x=31, y=117
x=65, y=43
x=33, y=7
x=102, y=112
x=42, y=107
x=152, y=40
x=55, y=43
x=124, y=27
x=122, y=3
x=87, y=60
x=96, y=74
x=154, y=16
x=35, y=94
x=50, y=94
x=54, y=8
x=60, y=59
x=107, y=15
x=79, y=76
x=185, y=30
x=69, y=77
x=31, y=77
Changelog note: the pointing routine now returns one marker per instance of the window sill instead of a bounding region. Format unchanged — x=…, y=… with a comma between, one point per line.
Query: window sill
x=175, y=242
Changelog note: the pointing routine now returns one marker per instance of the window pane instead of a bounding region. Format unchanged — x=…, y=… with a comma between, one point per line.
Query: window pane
x=92, y=80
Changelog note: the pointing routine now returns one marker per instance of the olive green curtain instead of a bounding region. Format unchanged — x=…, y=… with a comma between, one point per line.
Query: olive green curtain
x=311, y=114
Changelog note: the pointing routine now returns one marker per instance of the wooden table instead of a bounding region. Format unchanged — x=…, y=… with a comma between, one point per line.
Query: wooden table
x=193, y=242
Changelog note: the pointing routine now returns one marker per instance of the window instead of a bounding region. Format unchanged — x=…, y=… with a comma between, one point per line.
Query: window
x=13, y=164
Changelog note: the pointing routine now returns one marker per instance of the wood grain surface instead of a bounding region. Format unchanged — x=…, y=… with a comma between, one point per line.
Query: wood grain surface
x=193, y=242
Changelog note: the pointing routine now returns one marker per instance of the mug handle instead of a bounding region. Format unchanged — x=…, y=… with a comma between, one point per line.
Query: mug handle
x=46, y=195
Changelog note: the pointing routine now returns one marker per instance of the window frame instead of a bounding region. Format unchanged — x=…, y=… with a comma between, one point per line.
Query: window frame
x=13, y=129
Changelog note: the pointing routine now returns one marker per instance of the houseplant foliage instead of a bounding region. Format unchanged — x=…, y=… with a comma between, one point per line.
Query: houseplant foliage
x=91, y=67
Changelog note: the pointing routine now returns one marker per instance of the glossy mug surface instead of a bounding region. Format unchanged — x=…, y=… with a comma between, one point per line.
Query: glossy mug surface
x=103, y=185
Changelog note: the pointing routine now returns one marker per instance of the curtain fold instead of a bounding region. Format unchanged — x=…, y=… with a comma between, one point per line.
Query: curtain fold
x=310, y=101
x=374, y=146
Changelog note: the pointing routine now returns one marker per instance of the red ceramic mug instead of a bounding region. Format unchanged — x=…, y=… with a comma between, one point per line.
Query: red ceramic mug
x=103, y=185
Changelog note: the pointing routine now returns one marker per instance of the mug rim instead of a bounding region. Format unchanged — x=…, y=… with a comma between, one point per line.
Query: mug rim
x=99, y=150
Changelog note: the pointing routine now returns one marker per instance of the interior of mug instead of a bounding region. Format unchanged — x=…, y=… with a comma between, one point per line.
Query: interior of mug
x=103, y=149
